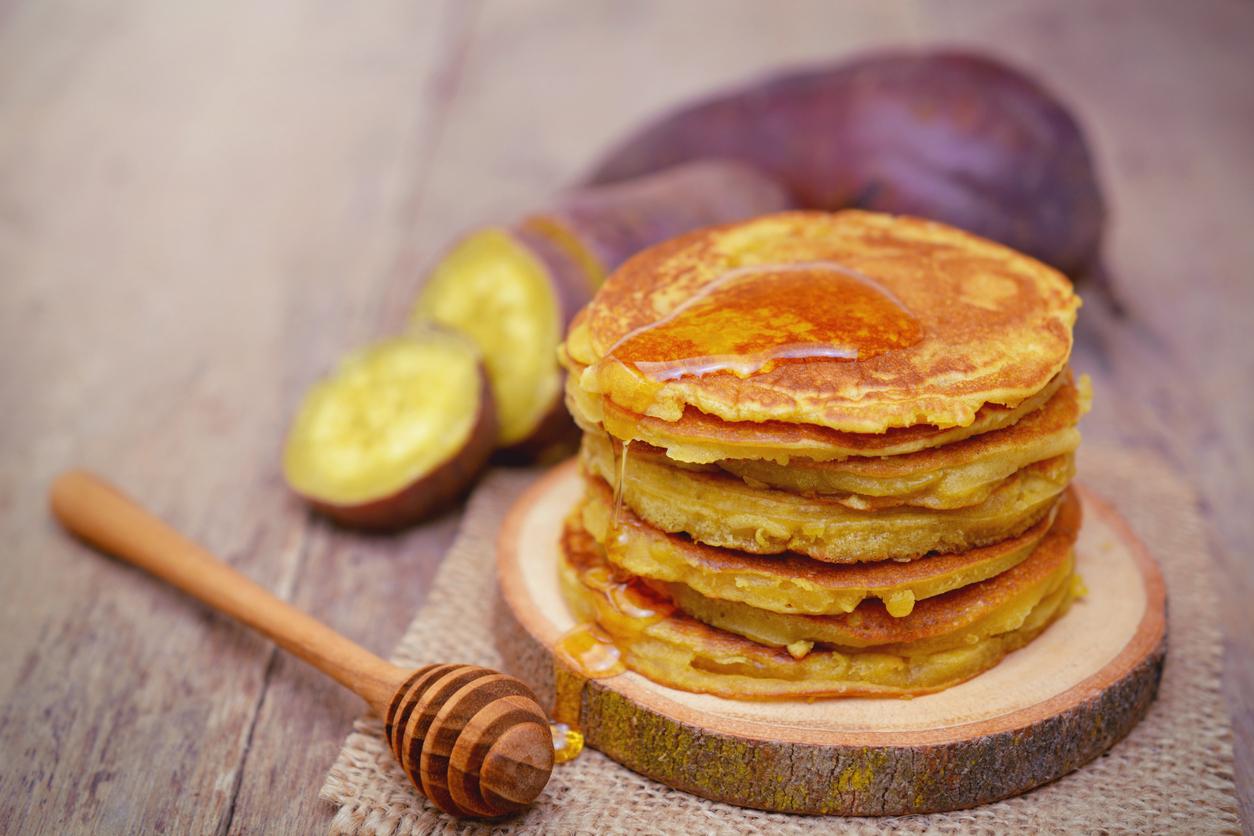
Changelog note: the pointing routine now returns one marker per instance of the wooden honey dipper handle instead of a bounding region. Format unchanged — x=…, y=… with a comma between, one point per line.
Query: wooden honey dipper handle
x=473, y=740
x=100, y=514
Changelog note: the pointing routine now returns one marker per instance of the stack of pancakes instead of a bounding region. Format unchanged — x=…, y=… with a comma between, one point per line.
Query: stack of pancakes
x=824, y=455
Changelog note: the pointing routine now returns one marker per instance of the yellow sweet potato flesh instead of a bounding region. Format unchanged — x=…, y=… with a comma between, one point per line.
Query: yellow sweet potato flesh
x=493, y=289
x=391, y=417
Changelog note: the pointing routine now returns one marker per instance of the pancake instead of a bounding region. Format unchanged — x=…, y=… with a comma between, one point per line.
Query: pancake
x=939, y=323
x=719, y=509
x=700, y=438
x=671, y=648
x=791, y=583
x=953, y=476
x=964, y=616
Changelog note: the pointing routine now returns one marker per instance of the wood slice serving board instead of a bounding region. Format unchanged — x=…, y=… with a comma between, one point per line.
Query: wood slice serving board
x=1044, y=711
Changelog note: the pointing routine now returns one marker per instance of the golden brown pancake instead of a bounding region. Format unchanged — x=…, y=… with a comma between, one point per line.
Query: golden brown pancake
x=699, y=438
x=719, y=509
x=952, y=476
x=982, y=325
x=963, y=616
x=790, y=583
x=671, y=648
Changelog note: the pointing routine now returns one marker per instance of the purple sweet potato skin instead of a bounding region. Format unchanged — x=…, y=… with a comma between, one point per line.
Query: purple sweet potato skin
x=952, y=136
x=616, y=221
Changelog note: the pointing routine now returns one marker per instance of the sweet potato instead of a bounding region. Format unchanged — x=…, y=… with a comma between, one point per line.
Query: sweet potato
x=511, y=291
x=399, y=431
x=951, y=136
x=514, y=289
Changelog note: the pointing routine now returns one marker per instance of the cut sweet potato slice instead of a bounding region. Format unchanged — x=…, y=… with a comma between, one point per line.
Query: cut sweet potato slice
x=512, y=293
x=399, y=430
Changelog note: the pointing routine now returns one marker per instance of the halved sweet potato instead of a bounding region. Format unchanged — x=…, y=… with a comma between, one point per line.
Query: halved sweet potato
x=514, y=289
x=396, y=433
x=953, y=136
x=512, y=292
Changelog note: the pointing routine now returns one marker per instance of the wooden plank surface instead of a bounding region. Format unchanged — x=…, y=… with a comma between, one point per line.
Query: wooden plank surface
x=197, y=201
x=202, y=205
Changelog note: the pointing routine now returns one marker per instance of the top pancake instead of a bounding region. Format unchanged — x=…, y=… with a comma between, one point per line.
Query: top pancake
x=993, y=326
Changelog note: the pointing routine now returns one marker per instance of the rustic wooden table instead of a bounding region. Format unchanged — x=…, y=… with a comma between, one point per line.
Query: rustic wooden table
x=203, y=205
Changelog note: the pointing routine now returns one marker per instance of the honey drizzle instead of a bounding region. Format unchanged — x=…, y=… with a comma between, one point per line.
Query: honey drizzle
x=587, y=651
x=568, y=695
x=567, y=742
x=622, y=453
x=590, y=651
x=567, y=712
x=584, y=652
x=752, y=319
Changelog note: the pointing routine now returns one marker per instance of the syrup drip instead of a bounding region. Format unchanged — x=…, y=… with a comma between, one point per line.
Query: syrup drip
x=567, y=742
x=588, y=651
x=587, y=648
x=591, y=652
x=567, y=709
x=635, y=599
x=626, y=595
x=568, y=696
x=632, y=604
x=622, y=453
x=752, y=319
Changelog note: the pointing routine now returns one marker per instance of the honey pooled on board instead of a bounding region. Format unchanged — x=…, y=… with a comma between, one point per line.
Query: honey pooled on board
x=752, y=319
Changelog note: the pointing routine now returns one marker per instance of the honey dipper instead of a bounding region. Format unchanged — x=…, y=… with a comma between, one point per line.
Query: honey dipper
x=474, y=741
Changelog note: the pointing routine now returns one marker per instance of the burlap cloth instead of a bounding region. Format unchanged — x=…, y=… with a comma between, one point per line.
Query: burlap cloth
x=1173, y=773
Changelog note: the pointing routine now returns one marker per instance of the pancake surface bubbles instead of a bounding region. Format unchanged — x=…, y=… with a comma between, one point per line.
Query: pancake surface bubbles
x=921, y=324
